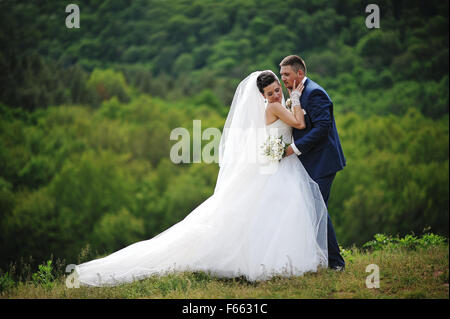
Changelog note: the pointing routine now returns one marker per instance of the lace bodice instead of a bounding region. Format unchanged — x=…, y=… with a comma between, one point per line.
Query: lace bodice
x=280, y=128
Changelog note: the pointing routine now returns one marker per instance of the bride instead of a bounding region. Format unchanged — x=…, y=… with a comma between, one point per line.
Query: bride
x=264, y=219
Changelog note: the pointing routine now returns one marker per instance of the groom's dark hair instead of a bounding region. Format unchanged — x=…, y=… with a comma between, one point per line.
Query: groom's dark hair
x=295, y=62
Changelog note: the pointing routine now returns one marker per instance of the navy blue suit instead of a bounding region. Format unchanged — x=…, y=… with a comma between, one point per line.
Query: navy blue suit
x=321, y=151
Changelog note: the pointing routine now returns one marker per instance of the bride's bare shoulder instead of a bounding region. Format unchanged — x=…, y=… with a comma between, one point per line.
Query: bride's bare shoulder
x=271, y=112
x=274, y=105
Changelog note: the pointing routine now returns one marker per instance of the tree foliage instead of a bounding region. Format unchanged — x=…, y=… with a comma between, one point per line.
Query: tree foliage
x=175, y=48
x=86, y=114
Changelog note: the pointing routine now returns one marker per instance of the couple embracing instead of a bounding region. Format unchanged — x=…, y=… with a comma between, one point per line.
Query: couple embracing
x=255, y=224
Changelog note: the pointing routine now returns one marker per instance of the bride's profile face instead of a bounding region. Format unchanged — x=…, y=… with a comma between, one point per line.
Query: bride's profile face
x=273, y=92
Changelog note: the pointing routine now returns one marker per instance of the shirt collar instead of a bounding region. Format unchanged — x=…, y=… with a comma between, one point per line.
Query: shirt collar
x=304, y=80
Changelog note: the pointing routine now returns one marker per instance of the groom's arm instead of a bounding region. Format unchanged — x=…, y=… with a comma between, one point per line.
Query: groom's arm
x=320, y=115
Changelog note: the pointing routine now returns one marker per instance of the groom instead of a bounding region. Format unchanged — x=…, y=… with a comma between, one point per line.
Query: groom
x=317, y=146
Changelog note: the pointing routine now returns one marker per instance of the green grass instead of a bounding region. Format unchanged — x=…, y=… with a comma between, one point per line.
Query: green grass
x=405, y=272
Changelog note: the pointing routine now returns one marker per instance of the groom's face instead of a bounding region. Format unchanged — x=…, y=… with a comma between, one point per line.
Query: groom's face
x=288, y=76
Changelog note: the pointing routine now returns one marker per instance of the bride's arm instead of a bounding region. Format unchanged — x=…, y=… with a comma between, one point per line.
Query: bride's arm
x=295, y=119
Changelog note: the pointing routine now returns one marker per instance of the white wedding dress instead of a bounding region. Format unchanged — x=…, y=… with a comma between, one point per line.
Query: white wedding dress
x=254, y=225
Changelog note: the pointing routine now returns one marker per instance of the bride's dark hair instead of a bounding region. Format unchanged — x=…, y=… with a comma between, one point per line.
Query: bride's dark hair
x=264, y=79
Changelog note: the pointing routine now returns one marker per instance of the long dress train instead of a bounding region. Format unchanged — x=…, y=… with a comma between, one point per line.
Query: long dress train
x=258, y=227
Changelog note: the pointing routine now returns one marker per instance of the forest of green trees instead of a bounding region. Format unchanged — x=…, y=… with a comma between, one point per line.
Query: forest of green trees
x=86, y=114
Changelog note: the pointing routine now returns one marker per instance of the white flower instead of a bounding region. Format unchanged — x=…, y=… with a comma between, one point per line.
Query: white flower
x=288, y=103
x=273, y=148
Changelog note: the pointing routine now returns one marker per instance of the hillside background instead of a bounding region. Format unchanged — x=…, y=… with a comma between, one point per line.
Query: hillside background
x=86, y=114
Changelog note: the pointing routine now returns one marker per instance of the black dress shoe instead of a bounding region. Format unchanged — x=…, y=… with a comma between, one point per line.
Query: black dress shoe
x=338, y=268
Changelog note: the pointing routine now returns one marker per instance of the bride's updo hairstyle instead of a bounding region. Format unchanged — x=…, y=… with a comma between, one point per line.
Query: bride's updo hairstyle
x=264, y=79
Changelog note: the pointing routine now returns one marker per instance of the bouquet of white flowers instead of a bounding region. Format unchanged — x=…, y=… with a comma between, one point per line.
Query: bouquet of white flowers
x=273, y=148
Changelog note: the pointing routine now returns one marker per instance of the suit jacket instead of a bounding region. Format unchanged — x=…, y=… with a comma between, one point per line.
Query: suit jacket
x=319, y=144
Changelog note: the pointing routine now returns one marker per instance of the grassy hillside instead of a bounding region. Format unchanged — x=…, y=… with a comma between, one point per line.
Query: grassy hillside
x=409, y=268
